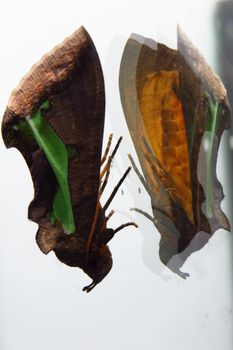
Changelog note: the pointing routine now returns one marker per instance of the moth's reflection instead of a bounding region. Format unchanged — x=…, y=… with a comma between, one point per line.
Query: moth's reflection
x=174, y=105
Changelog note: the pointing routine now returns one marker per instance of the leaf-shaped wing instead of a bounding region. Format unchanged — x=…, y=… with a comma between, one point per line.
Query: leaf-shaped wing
x=70, y=78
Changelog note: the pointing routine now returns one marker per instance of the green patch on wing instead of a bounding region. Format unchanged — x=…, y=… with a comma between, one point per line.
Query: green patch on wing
x=214, y=113
x=57, y=155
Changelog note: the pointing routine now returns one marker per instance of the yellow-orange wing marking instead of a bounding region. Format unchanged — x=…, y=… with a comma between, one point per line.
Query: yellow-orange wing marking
x=164, y=128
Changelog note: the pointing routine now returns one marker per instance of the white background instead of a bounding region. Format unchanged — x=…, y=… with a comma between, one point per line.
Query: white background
x=140, y=304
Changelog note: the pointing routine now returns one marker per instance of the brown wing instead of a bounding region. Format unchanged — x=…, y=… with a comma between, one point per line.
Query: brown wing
x=70, y=78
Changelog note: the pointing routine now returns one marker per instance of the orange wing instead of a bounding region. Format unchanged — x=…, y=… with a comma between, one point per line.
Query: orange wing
x=163, y=124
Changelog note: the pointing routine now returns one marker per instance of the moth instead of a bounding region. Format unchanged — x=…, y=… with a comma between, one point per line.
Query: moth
x=55, y=118
x=176, y=110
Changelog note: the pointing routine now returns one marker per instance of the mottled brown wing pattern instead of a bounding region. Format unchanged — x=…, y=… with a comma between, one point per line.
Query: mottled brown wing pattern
x=56, y=116
x=70, y=77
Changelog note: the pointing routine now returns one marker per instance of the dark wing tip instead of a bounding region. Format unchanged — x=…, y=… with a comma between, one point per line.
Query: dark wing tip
x=49, y=72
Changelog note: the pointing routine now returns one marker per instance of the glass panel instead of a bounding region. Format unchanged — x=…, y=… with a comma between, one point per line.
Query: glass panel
x=141, y=303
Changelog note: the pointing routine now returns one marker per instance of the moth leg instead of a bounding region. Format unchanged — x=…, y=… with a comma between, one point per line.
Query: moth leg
x=144, y=213
x=154, y=162
x=110, y=158
x=110, y=215
x=116, y=189
x=139, y=175
x=154, y=220
x=106, y=204
x=152, y=156
x=105, y=182
x=125, y=225
x=105, y=169
x=148, y=216
x=109, y=233
x=161, y=175
x=107, y=166
x=147, y=189
x=107, y=149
